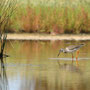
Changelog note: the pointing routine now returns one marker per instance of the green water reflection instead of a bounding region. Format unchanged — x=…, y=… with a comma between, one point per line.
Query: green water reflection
x=29, y=66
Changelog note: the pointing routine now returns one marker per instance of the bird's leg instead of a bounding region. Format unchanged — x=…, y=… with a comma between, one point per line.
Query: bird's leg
x=72, y=58
x=77, y=57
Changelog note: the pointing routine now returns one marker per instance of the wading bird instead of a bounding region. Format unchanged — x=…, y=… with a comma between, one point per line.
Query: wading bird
x=71, y=49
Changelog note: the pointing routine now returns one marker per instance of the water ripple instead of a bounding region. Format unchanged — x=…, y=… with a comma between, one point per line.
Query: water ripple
x=69, y=59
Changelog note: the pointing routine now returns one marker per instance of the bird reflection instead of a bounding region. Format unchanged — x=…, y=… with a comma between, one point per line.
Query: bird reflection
x=3, y=76
x=71, y=68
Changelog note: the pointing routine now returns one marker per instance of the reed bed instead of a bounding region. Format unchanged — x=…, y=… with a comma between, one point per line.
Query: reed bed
x=51, y=16
x=7, y=8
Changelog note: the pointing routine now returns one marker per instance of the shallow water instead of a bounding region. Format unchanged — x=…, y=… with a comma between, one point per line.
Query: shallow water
x=33, y=65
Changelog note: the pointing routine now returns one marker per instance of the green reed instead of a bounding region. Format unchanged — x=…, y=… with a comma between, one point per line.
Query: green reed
x=51, y=16
x=7, y=8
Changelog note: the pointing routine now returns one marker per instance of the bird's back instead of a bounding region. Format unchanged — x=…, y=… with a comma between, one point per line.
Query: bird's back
x=74, y=47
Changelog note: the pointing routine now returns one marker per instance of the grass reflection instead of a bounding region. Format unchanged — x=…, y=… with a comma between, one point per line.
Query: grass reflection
x=3, y=76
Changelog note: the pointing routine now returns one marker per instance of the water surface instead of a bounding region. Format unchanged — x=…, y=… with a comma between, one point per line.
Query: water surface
x=33, y=65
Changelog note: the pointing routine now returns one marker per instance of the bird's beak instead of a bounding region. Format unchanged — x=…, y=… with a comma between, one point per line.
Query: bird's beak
x=58, y=53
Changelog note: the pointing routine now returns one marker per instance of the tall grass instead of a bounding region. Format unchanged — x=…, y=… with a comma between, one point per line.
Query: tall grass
x=51, y=16
x=7, y=8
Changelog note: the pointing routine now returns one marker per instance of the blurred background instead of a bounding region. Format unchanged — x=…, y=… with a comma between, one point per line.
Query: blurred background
x=48, y=16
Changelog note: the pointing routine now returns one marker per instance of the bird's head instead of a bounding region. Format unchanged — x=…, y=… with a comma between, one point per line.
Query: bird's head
x=61, y=50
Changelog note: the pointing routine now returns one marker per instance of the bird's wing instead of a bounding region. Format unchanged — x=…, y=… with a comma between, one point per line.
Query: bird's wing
x=73, y=47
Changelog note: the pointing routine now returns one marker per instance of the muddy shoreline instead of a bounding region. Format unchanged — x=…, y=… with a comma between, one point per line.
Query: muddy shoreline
x=27, y=36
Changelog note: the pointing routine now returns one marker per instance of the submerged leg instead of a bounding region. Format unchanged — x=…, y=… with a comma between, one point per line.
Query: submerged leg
x=77, y=57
